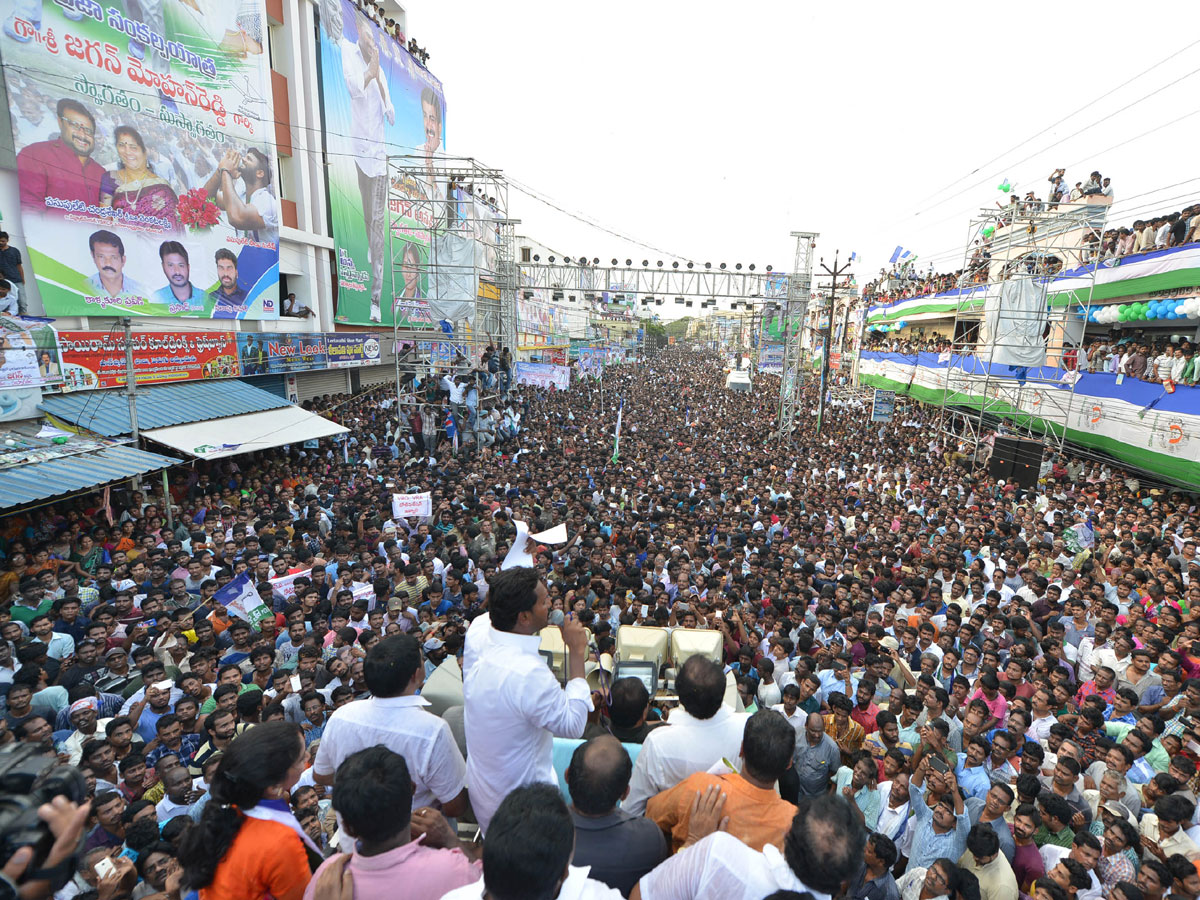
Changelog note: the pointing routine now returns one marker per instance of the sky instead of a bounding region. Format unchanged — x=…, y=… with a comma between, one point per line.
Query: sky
x=711, y=131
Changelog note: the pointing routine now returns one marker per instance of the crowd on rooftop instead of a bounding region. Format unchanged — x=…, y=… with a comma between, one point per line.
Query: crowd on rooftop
x=904, y=281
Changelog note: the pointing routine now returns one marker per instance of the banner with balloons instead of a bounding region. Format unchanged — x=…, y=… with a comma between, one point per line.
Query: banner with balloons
x=1141, y=423
x=1169, y=309
x=1109, y=279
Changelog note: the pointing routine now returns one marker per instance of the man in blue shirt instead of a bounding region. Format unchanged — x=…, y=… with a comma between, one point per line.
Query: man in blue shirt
x=971, y=774
x=229, y=300
x=179, y=294
x=939, y=830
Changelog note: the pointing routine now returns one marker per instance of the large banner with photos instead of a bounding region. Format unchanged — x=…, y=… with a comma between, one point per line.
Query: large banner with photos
x=145, y=155
x=378, y=100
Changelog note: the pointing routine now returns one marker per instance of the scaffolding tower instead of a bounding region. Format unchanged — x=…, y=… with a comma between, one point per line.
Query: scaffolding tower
x=1031, y=243
x=795, y=313
x=452, y=266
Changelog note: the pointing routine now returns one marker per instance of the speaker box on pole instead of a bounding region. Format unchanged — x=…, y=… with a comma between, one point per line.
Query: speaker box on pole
x=1016, y=459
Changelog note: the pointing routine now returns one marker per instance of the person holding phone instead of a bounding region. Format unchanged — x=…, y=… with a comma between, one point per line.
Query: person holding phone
x=940, y=822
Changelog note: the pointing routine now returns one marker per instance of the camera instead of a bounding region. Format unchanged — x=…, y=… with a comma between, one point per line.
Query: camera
x=30, y=777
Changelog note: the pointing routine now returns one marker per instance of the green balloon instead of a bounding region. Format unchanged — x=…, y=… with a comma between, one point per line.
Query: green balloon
x=989, y=231
x=1005, y=186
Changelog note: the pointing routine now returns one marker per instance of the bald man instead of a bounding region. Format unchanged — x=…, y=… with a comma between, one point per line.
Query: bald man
x=619, y=847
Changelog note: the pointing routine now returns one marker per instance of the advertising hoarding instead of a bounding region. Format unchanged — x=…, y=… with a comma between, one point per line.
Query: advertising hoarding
x=377, y=101
x=271, y=354
x=28, y=353
x=96, y=359
x=346, y=350
x=145, y=156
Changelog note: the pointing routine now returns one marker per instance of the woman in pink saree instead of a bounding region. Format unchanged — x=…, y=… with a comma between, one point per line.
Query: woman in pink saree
x=133, y=186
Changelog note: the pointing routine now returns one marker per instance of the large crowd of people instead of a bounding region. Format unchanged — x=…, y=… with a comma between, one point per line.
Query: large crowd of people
x=925, y=684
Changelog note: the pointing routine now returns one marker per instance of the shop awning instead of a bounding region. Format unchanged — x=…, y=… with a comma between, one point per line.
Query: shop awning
x=232, y=435
x=72, y=472
x=158, y=406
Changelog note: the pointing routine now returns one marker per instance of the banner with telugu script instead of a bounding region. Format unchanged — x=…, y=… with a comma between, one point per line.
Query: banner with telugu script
x=145, y=156
x=96, y=359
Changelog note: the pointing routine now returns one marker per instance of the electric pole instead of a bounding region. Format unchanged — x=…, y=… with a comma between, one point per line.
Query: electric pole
x=827, y=334
x=131, y=395
x=130, y=379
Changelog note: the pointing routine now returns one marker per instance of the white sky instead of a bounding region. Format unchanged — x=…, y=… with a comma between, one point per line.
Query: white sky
x=713, y=130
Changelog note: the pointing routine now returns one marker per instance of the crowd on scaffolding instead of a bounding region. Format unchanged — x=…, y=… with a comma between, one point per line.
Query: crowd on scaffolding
x=904, y=281
x=923, y=683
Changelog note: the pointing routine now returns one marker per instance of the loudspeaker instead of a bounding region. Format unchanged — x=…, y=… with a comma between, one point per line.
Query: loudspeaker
x=1016, y=459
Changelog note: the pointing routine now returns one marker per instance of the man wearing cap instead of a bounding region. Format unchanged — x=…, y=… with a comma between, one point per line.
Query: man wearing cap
x=84, y=715
x=435, y=654
x=116, y=675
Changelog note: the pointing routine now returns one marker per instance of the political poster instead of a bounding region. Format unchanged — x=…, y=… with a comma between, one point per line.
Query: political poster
x=96, y=359
x=145, y=156
x=378, y=100
x=770, y=358
x=407, y=505
x=267, y=353
x=286, y=584
x=28, y=353
x=241, y=599
x=542, y=375
x=883, y=406
x=346, y=350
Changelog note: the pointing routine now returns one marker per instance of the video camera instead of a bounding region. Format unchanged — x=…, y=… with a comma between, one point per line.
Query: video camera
x=29, y=777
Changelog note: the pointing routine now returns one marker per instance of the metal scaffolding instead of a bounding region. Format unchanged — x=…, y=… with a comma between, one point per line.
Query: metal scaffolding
x=795, y=314
x=449, y=237
x=1006, y=246
x=586, y=281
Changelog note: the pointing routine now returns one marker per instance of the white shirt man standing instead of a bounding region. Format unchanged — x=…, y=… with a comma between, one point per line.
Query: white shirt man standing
x=515, y=706
x=394, y=716
x=699, y=733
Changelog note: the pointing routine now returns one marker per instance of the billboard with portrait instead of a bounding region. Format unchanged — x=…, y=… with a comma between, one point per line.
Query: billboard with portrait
x=268, y=353
x=145, y=155
x=378, y=100
x=28, y=353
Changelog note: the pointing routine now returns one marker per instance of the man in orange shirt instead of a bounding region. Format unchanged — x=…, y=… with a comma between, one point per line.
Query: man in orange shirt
x=754, y=812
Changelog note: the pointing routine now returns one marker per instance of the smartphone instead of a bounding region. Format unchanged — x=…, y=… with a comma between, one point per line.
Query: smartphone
x=938, y=764
x=295, y=683
x=645, y=610
x=104, y=867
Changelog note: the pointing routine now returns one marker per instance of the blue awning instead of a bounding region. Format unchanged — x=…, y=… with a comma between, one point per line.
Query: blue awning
x=107, y=412
x=23, y=484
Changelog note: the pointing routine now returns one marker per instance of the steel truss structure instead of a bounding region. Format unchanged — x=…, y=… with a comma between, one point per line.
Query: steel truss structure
x=1003, y=245
x=586, y=281
x=795, y=315
x=435, y=210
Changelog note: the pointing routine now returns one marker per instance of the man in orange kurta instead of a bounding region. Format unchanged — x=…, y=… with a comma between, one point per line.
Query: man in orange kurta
x=756, y=814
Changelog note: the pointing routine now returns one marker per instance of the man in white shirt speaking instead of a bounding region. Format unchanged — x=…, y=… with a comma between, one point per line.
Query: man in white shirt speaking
x=515, y=706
